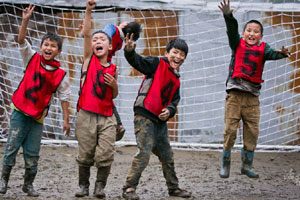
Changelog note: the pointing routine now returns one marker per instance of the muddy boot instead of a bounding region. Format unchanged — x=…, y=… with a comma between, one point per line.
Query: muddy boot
x=28, y=187
x=4, y=178
x=225, y=169
x=102, y=175
x=180, y=193
x=84, y=183
x=247, y=159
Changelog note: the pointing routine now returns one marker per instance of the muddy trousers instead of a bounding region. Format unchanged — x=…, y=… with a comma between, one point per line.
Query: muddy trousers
x=151, y=137
x=245, y=106
x=26, y=133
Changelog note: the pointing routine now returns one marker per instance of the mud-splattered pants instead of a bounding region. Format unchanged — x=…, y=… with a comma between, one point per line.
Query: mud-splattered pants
x=245, y=106
x=26, y=132
x=151, y=137
x=96, y=137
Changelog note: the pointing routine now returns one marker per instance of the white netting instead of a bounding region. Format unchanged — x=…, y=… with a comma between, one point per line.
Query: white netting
x=201, y=109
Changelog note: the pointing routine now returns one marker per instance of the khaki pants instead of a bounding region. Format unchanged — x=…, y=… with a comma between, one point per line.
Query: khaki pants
x=245, y=106
x=96, y=137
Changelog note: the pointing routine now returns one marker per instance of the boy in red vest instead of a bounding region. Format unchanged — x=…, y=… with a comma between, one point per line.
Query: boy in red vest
x=95, y=125
x=43, y=77
x=156, y=102
x=243, y=88
x=117, y=34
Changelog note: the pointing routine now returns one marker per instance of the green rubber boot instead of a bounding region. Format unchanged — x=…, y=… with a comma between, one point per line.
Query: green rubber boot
x=247, y=159
x=225, y=169
x=84, y=183
x=102, y=175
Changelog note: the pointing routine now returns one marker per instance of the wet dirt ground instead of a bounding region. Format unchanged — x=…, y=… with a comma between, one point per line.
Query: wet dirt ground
x=197, y=171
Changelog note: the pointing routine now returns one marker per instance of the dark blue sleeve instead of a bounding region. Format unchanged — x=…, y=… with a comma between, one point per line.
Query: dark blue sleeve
x=110, y=29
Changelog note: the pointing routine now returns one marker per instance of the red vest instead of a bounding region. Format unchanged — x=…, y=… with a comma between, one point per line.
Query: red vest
x=164, y=85
x=36, y=88
x=116, y=44
x=95, y=95
x=249, y=62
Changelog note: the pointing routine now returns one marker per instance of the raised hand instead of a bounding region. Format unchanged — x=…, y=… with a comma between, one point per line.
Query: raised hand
x=27, y=12
x=122, y=25
x=225, y=7
x=284, y=51
x=129, y=44
x=90, y=5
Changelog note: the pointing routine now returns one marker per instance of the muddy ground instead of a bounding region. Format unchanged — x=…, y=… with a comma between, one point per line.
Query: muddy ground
x=197, y=171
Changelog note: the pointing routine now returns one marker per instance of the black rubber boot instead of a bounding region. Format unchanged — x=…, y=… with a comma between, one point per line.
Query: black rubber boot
x=225, y=169
x=84, y=183
x=28, y=187
x=180, y=193
x=4, y=178
x=247, y=159
x=102, y=175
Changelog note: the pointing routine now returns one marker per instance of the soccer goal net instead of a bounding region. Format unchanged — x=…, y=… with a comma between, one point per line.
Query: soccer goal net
x=200, y=114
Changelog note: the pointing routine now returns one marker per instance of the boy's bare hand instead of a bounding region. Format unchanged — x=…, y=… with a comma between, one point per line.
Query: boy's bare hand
x=90, y=5
x=27, y=12
x=164, y=115
x=66, y=128
x=122, y=25
x=110, y=80
x=129, y=44
x=225, y=7
x=284, y=51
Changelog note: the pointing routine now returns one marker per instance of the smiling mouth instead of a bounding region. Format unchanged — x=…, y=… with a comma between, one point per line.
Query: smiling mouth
x=48, y=53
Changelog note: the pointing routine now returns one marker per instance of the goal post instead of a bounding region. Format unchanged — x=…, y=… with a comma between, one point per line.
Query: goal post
x=200, y=114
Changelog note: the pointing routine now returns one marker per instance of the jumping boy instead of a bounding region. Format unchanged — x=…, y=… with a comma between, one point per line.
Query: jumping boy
x=156, y=102
x=117, y=34
x=31, y=102
x=95, y=125
x=243, y=88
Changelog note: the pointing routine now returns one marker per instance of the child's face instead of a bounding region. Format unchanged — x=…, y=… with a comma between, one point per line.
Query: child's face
x=175, y=57
x=252, y=34
x=100, y=45
x=49, y=49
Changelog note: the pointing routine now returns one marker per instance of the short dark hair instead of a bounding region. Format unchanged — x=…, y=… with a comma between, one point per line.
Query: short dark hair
x=132, y=27
x=256, y=22
x=52, y=36
x=178, y=44
x=109, y=38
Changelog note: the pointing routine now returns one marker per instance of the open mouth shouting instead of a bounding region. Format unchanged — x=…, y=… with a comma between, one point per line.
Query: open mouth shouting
x=48, y=55
x=99, y=48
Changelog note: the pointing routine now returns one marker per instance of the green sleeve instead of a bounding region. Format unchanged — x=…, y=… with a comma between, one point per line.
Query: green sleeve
x=232, y=31
x=271, y=54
